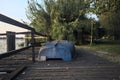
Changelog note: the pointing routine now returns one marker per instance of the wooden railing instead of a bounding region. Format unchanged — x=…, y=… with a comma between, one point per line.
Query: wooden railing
x=11, y=51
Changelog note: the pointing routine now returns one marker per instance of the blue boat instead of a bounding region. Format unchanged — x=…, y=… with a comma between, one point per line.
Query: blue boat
x=61, y=49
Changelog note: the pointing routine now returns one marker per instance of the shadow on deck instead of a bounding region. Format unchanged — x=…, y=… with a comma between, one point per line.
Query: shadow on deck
x=85, y=66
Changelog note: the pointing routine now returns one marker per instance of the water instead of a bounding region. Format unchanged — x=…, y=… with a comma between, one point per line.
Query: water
x=3, y=44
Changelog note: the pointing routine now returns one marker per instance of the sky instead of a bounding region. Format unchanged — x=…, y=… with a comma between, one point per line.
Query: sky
x=15, y=9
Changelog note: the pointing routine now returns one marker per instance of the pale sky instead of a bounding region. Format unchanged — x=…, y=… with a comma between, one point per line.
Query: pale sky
x=15, y=9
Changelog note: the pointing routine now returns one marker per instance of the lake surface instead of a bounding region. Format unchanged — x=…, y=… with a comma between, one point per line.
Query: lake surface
x=3, y=45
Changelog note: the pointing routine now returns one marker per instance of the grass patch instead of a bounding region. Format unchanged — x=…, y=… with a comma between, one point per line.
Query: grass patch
x=108, y=51
x=111, y=48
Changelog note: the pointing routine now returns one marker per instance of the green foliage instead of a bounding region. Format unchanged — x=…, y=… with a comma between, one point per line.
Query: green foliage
x=59, y=18
x=108, y=12
x=70, y=15
x=62, y=31
x=101, y=6
x=39, y=16
x=107, y=51
x=21, y=44
x=111, y=22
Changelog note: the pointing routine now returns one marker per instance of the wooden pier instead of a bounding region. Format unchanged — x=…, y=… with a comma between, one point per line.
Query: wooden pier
x=85, y=66
x=22, y=64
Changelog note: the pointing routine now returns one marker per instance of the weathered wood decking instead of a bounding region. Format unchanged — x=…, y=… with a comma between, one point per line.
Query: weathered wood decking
x=86, y=66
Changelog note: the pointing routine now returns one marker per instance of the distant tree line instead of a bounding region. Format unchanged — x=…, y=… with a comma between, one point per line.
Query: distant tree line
x=67, y=19
x=108, y=12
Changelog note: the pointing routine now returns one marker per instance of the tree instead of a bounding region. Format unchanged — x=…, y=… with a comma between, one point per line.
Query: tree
x=108, y=12
x=70, y=16
x=40, y=16
x=58, y=18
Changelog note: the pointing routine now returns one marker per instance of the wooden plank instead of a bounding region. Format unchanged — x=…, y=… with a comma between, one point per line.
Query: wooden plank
x=13, y=74
x=16, y=33
x=3, y=34
x=8, y=20
x=12, y=52
x=8, y=70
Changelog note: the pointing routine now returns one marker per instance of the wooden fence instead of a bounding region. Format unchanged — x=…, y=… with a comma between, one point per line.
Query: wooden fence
x=11, y=37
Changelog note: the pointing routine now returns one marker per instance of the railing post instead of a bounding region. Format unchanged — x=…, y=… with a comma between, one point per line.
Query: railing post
x=10, y=41
x=26, y=40
x=33, y=47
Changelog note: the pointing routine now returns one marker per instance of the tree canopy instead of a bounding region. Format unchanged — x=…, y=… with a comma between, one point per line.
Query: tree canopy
x=58, y=18
x=64, y=19
x=108, y=12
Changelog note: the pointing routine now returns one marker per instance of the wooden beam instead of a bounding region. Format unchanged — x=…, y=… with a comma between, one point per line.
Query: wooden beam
x=33, y=47
x=13, y=74
x=7, y=54
x=3, y=34
x=10, y=41
x=22, y=32
x=8, y=20
x=40, y=34
x=8, y=70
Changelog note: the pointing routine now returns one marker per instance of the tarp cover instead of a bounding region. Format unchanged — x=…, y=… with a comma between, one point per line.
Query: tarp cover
x=61, y=49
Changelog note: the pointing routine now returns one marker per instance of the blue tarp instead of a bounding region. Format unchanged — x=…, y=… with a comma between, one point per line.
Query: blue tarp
x=57, y=49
